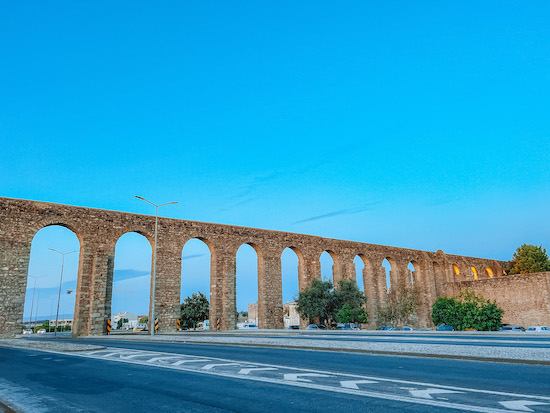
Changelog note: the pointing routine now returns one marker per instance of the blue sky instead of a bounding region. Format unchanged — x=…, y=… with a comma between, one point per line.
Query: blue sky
x=421, y=125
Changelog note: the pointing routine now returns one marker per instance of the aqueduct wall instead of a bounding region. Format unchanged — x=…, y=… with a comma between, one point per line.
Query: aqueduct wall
x=99, y=230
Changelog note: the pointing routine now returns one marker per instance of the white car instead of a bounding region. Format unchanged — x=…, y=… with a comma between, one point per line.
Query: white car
x=538, y=328
x=28, y=331
x=42, y=331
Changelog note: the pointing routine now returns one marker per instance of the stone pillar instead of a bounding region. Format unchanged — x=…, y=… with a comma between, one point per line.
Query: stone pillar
x=338, y=271
x=94, y=289
x=270, y=290
x=347, y=268
x=167, y=297
x=223, y=297
x=310, y=269
x=14, y=266
x=370, y=282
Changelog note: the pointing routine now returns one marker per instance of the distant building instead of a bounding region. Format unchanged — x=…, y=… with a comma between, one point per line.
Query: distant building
x=253, y=313
x=290, y=315
x=126, y=325
x=62, y=322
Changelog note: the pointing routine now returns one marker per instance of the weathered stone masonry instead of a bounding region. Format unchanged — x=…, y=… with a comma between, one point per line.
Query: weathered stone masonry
x=99, y=230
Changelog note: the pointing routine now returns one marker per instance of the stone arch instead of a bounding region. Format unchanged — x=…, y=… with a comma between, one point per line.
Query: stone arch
x=413, y=272
x=473, y=272
x=258, y=279
x=391, y=273
x=133, y=292
x=489, y=272
x=44, y=272
x=196, y=273
x=335, y=276
x=294, y=258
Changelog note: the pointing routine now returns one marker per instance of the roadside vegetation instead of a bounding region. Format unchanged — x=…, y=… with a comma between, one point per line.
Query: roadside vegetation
x=400, y=306
x=322, y=303
x=467, y=311
x=194, y=310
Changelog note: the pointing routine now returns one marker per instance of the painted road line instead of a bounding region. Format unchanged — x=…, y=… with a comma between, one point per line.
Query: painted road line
x=384, y=388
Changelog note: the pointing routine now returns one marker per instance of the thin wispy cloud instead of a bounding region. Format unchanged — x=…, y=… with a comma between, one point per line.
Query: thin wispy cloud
x=190, y=257
x=349, y=211
x=252, y=190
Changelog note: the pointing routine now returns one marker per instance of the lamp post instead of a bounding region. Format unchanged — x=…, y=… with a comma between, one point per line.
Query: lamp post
x=32, y=303
x=60, y=281
x=152, y=322
x=52, y=299
x=36, y=315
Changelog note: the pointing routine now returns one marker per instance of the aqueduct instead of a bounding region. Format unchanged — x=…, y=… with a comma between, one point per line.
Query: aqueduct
x=98, y=231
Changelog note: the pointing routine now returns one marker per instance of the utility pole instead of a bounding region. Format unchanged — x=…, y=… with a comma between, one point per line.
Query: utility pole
x=152, y=322
x=60, y=282
x=32, y=302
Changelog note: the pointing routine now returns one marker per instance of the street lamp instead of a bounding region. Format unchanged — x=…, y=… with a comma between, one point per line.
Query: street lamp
x=52, y=299
x=60, y=281
x=32, y=303
x=152, y=323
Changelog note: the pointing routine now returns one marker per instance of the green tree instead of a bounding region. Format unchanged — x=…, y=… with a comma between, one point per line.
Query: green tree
x=529, y=259
x=399, y=306
x=467, y=311
x=350, y=303
x=318, y=301
x=194, y=309
x=144, y=320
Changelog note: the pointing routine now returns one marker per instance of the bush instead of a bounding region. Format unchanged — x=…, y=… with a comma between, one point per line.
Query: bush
x=467, y=311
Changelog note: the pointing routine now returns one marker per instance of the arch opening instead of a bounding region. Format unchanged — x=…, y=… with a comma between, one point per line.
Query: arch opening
x=489, y=272
x=45, y=283
x=290, y=273
x=131, y=285
x=412, y=267
x=246, y=289
x=388, y=267
x=360, y=265
x=473, y=272
x=196, y=261
x=456, y=269
x=327, y=261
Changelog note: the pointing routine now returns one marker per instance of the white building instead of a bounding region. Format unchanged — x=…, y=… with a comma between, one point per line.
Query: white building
x=290, y=315
x=126, y=325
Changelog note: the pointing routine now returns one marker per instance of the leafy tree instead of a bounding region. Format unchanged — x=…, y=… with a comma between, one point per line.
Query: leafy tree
x=120, y=322
x=467, y=311
x=144, y=320
x=399, y=306
x=194, y=309
x=317, y=302
x=529, y=259
x=349, y=303
x=347, y=314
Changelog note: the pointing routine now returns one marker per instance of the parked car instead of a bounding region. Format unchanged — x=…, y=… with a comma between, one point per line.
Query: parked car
x=293, y=327
x=444, y=327
x=406, y=328
x=387, y=328
x=538, y=328
x=42, y=331
x=248, y=326
x=512, y=328
x=341, y=326
x=140, y=327
x=28, y=331
x=312, y=327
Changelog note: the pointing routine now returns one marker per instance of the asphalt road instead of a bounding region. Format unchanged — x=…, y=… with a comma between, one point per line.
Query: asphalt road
x=141, y=376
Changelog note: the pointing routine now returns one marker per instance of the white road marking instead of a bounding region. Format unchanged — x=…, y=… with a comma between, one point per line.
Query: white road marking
x=521, y=405
x=390, y=393
x=211, y=366
x=427, y=393
x=298, y=377
x=352, y=384
x=247, y=371
x=178, y=363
